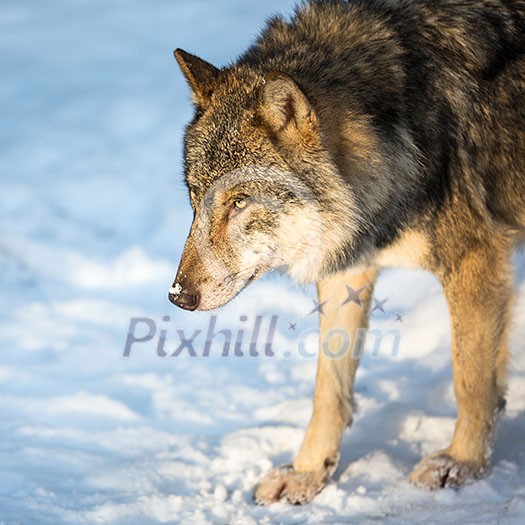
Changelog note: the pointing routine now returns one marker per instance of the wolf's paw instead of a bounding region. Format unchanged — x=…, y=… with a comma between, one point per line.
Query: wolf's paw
x=284, y=483
x=440, y=470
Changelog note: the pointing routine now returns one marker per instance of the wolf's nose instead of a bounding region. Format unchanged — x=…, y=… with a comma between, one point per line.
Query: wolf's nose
x=183, y=297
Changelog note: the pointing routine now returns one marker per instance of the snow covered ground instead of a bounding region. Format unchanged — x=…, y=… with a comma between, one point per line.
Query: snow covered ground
x=93, y=216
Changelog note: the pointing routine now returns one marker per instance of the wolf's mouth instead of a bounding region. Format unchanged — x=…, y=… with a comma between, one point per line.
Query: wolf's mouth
x=254, y=274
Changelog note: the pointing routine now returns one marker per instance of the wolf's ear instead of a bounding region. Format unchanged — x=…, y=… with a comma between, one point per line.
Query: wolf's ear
x=200, y=75
x=284, y=106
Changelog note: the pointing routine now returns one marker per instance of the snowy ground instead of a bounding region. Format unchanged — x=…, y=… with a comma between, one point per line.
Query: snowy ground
x=93, y=219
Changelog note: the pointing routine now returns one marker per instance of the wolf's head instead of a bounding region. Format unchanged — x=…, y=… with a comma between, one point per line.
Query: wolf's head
x=263, y=188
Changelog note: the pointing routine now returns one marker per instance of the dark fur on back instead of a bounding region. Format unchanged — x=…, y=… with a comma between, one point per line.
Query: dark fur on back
x=450, y=74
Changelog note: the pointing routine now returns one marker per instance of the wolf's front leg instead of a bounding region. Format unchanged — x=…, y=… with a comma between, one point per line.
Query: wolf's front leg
x=347, y=298
x=479, y=294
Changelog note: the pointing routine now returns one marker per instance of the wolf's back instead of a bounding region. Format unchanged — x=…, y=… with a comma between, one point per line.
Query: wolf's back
x=451, y=74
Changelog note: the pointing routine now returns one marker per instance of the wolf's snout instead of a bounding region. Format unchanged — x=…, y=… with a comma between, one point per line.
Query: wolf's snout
x=184, y=297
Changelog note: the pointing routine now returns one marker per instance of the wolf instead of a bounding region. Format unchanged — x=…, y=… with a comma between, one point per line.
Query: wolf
x=358, y=135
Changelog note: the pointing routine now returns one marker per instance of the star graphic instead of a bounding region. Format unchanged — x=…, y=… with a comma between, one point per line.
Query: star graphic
x=291, y=326
x=379, y=305
x=399, y=318
x=354, y=296
x=318, y=307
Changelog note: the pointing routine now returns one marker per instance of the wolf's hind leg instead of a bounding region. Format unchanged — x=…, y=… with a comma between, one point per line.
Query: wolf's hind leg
x=346, y=309
x=479, y=294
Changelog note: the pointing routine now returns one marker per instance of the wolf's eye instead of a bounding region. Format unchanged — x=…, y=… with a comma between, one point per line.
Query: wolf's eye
x=240, y=204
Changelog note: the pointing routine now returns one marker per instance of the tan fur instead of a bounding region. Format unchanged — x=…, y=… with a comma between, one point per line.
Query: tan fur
x=479, y=294
x=411, y=250
x=333, y=401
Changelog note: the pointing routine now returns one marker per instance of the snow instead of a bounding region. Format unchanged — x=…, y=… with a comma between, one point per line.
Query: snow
x=93, y=220
x=175, y=290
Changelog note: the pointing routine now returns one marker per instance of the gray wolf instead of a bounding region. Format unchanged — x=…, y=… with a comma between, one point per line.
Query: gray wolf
x=355, y=136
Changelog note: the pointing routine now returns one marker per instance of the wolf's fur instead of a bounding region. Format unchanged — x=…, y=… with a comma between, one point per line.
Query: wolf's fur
x=355, y=136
